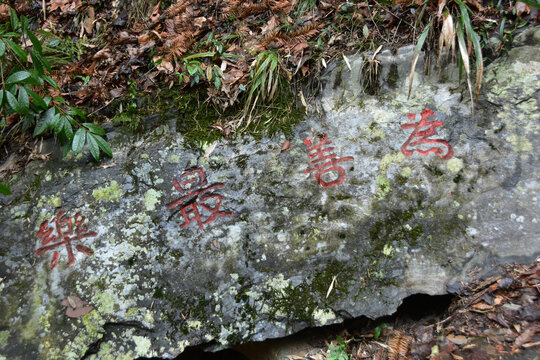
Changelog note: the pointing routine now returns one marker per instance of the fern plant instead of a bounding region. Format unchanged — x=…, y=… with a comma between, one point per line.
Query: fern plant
x=23, y=79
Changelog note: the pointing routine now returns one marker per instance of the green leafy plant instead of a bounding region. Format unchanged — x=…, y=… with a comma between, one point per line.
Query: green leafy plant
x=378, y=331
x=23, y=82
x=466, y=36
x=339, y=351
x=266, y=78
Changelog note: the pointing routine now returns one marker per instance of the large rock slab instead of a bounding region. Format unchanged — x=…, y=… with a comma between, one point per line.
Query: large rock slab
x=242, y=241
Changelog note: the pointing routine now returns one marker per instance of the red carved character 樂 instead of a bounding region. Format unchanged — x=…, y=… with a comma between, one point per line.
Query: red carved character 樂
x=193, y=198
x=423, y=136
x=67, y=230
x=324, y=161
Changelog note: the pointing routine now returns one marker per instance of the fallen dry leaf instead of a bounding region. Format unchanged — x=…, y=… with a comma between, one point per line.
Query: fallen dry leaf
x=286, y=145
x=89, y=22
x=522, y=8
x=76, y=307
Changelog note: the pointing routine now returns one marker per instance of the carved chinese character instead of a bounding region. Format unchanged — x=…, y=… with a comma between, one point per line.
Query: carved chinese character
x=324, y=161
x=197, y=203
x=65, y=231
x=423, y=137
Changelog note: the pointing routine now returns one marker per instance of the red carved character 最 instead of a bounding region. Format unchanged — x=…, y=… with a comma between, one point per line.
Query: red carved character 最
x=423, y=137
x=324, y=161
x=65, y=231
x=193, y=184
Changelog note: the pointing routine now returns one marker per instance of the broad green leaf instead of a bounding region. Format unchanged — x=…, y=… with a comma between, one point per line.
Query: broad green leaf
x=4, y=189
x=103, y=144
x=28, y=121
x=1, y=97
x=23, y=100
x=77, y=112
x=34, y=40
x=96, y=129
x=57, y=124
x=44, y=121
x=2, y=48
x=17, y=50
x=78, y=140
x=67, y=148
x=38, y=100
x=68, y=129
x=13, y=103
x=17, y=77
x=93, y=146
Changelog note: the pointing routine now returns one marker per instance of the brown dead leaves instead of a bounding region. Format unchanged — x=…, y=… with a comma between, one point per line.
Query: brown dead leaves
x=75, y=307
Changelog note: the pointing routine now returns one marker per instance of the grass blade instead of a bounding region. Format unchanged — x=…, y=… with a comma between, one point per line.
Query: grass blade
x=416, y=54
x=465, y=60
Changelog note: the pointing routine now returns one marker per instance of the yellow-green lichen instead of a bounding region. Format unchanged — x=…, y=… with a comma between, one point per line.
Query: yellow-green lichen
x=151, y=198
x=454, y=165
x=383, y=187
x=520, y=143
x=104, y=303
x=4, y=336
x=108, y=193
x=396, y=157
x=406, y=172
x=174, y=159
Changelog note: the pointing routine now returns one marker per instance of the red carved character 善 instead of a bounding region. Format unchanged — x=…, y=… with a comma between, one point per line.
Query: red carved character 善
x=324, y=161
x=204, y=197
x=423, y=136
x=67, y=230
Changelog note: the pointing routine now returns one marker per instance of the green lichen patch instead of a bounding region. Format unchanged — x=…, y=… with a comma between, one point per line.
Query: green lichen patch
x=151, y=198
x=113, y=192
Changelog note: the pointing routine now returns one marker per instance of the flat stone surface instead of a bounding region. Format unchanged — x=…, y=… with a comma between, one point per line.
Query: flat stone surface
x=242, y=241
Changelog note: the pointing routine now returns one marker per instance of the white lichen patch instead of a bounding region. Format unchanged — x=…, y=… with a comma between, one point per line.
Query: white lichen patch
x=142, y=345
x=454, y=165
x=279, y=284
x=323, y=316
x=388, y=250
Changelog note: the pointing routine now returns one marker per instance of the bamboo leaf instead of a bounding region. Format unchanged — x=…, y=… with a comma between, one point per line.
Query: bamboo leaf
x=2, y=48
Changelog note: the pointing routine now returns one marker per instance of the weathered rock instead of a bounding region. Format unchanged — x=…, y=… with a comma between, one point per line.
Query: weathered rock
x=283, y=252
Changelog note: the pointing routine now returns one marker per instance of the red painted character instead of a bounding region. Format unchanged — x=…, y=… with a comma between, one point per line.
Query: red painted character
x=323, y=161
x=64, y=234
x=189, y=203
x=423, y=136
